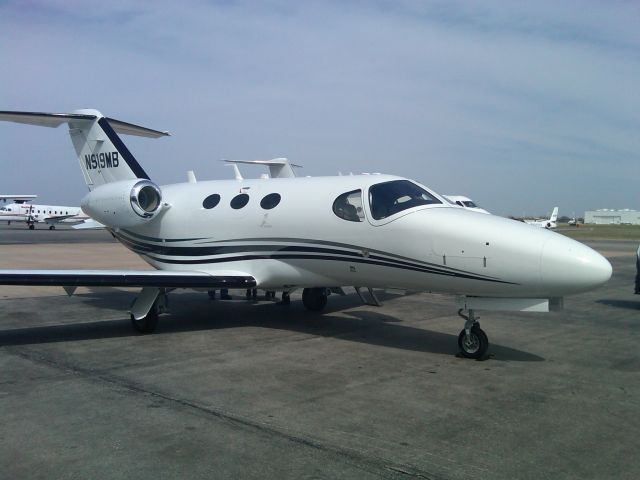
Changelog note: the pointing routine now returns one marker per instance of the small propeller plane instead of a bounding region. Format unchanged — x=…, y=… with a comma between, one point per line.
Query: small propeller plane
x=22, y=211
x=283, y=232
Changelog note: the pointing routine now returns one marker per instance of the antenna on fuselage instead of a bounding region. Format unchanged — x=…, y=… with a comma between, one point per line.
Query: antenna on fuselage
x=236, y=170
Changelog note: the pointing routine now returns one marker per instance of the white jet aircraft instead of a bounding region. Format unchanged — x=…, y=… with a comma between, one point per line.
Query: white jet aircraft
x=29, y=213
x=319, y=233
x=545, y=223
x=465, y=202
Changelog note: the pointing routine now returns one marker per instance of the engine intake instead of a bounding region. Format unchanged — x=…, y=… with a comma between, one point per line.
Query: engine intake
x=145, y=198
x=123, y=204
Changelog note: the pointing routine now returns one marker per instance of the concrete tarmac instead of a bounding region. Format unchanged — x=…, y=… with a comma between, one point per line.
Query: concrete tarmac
x=241, y=389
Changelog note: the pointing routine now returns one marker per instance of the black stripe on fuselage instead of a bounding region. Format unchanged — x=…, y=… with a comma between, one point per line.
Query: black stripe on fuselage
x=349, y=251
x=285, y=252
x=159, y=240
x=135, y=167
x=324, y=258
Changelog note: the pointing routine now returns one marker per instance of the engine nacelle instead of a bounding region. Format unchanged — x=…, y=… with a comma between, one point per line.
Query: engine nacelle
x=123, y=204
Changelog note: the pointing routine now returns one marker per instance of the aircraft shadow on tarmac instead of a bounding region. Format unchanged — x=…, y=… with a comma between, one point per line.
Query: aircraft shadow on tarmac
x=627, y=304
x=194, y=312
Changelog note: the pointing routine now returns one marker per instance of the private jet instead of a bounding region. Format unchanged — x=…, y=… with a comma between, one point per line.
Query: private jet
x=314, y=233
x=545, y=223
x=465, y=202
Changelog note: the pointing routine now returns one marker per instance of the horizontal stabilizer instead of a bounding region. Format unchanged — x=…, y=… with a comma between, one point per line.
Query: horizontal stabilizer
x=54, y=120
x=18, y=198
x=126, y=278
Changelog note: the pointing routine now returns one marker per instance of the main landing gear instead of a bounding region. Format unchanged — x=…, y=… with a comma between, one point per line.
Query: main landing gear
x=473, y=342
x=52, y=227
x=32, y=226
x=148, y=323
x=314, y=299
x=147, y=307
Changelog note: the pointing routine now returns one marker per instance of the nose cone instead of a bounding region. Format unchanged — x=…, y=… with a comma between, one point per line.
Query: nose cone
x=568, y=266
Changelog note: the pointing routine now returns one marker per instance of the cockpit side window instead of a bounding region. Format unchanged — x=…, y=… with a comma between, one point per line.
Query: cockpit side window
x=348, y=206
x=470, y=204
x=388, y=198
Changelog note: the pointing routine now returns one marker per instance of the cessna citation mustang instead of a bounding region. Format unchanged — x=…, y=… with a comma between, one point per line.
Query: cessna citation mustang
x=284, y=233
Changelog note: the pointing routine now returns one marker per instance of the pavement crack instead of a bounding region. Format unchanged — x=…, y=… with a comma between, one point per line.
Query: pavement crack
x=379, y=466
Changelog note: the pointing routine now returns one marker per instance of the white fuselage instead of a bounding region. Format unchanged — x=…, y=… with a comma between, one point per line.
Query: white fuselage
x=26, y=212
x=301, y=242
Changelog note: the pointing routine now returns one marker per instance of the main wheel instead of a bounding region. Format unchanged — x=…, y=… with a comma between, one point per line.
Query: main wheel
x=32, y=227
x=314, y=299
x=475, y=344
x=148, y=323
x=52, y=227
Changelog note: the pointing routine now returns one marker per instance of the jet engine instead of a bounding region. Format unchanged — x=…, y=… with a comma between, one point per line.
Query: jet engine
x=126, y=203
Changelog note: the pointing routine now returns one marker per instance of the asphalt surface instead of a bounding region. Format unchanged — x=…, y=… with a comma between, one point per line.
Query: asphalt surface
x=253, y=390
x=19, y=234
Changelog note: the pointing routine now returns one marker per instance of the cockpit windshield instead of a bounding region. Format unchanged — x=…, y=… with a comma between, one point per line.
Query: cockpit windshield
x=388, y=198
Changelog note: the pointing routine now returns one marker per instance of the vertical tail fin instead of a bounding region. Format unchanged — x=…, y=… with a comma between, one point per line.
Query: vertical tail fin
x=102, y=155
x=554, y=215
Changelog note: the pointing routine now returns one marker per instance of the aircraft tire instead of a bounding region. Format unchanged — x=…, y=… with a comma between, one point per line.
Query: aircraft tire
x=475, y=345
x=52, y=227
x=314, y=299
x=32, y=227
x=148, y=323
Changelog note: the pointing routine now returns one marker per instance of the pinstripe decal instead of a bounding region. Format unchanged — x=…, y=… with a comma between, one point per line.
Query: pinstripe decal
x=268, y=249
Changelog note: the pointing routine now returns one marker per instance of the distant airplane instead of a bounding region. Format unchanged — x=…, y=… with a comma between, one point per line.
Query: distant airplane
x=315, y=234
x=465, y=202
x=17, y=198
x=545, y=223
x=23, y=211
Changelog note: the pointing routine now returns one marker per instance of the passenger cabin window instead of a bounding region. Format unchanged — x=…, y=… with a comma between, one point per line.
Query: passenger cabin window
x=211, y=201
x=239, y=201
x=388, y=198
x=348, y=206
x=270, y=201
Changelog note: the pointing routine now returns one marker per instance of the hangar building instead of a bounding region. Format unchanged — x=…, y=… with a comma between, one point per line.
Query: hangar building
x=605, y=216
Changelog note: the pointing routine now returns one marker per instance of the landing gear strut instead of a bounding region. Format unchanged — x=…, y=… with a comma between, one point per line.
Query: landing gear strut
x=148, y=323
x=314, y=299
x=153, y=301
x=473, y=342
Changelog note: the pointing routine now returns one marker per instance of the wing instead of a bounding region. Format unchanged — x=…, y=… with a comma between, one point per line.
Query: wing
x=58, y=218
x=128, y=278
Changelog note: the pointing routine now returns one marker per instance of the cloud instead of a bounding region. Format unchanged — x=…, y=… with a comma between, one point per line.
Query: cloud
x=520, y=107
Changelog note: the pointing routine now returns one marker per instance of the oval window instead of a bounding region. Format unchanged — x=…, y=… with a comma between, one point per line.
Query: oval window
x=211, y=201
x=348, y=206
x=270, y=201
x=239, y=201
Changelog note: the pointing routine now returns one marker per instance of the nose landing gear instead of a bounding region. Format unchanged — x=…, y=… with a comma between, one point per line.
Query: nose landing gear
x=473, y=342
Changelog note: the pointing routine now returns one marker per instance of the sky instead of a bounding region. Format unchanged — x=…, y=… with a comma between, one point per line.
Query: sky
x=521, y=106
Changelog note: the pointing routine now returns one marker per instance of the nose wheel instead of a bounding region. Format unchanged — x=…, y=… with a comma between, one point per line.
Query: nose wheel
x=472, y=341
